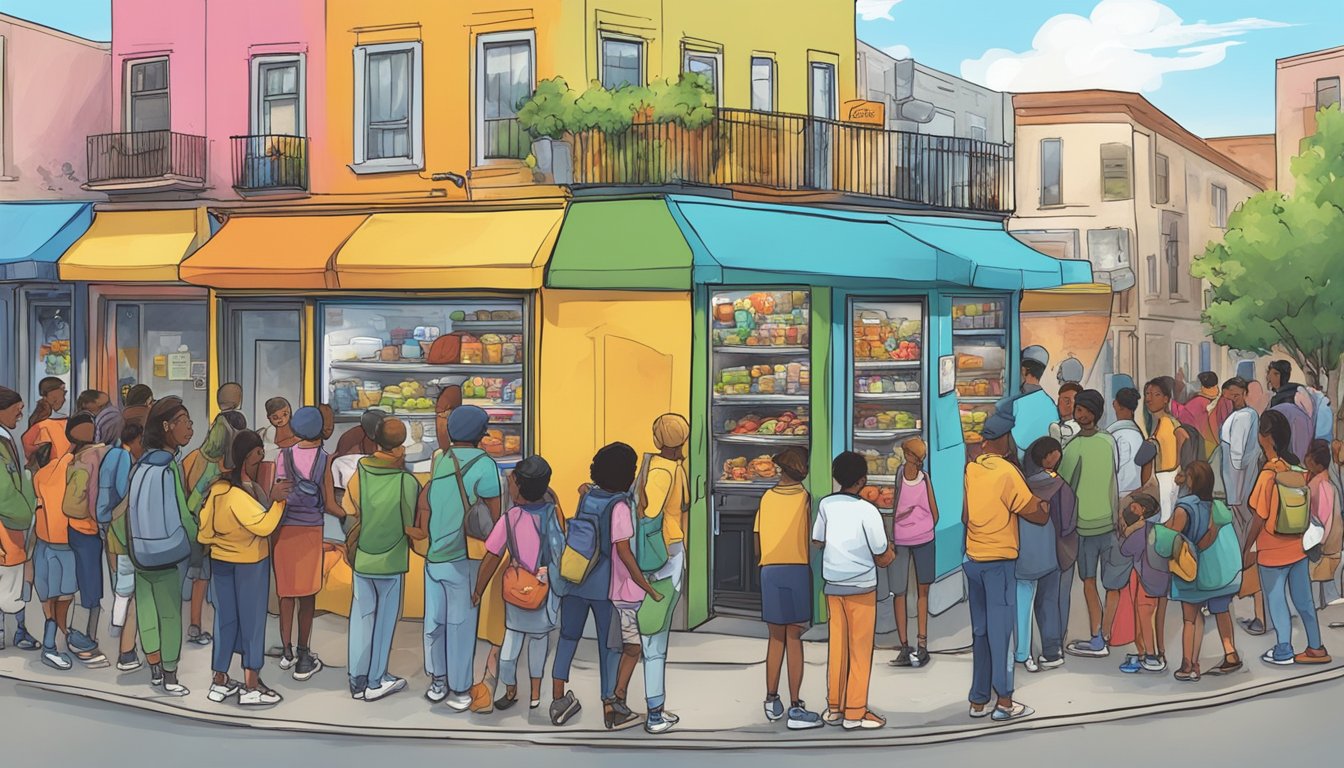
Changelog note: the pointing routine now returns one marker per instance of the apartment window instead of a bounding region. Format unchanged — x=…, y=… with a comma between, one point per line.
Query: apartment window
x=278, y=87
x=977, y=127
x=1183, y=362
x=1108, y=249
x=1161, y=180
x=1154, y=286
x=762, y=84
x=1205, y=356
x=1218, y=203
x=622, y=62
x=705, y=65
x=389, y=104
x=505, y=69
x=147, y=95
x=1115, y=172
x=1052, y=151
x=1171, y=246
x=1327, y=92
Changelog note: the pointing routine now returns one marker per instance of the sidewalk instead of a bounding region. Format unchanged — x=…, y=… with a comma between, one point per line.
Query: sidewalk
x=715, y=683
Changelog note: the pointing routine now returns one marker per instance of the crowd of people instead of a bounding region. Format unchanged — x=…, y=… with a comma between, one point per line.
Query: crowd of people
x=1192, y=497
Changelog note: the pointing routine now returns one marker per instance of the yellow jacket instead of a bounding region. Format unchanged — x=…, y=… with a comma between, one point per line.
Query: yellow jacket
x=235, y=526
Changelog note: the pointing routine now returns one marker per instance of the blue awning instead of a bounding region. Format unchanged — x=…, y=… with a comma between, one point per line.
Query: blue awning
x=36, y=234
x=736, y=242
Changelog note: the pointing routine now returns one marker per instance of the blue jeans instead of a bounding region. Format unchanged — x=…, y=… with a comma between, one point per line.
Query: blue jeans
x=1041, y=597
x=574, y=612
x=374, y=610
x=655, y=661
x=241, y=591
x=538, y=647
x=1278, y=584
x=450, y=622
x=1065, y=600
x=992, y=594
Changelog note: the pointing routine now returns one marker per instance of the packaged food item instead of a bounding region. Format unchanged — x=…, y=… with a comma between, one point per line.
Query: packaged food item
x=501, y=315
x=483, y=315
x=390, y=354
x=492, y=349
x=723, y=313
x=513, y=445
x=472, y=351
x=510, y=353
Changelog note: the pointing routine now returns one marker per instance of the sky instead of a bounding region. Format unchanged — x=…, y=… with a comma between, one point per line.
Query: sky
x=1207, y=63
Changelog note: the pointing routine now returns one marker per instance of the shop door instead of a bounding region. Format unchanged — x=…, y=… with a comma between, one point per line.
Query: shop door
x=46, y=344
x=265, y=355
x=163, y=344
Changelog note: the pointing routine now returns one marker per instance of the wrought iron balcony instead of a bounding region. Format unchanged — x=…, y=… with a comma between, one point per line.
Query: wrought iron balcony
x=270, y=163
x=137, y=161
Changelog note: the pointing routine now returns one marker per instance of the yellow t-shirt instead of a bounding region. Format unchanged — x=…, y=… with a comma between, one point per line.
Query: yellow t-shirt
x=995, y=493
x=235, y=526
x=666, y=489
x=782, y=522
x=1168, y=456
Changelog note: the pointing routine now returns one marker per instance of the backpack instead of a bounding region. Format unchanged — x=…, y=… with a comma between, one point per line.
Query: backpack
x=1322, y=413
x=158, y=540
x=1192, y=449
x=1294, y=513
x=649, y=546
x=307, y=492
x=584, y=545
x=553, y=539
x=86, y=462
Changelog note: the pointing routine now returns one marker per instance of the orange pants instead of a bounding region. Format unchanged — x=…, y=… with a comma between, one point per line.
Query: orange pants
x=850, y=664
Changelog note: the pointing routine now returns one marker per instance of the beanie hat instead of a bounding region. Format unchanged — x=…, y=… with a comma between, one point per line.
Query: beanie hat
x=1092, y=400
x=307, y=423
x=467, y=424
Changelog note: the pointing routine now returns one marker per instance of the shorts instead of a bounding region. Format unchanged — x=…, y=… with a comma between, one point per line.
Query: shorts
x=124, y=584
x=11, y=588
x=626, y=626
x=53, y=571
x=89, y=561
x=786, y=594
x=1101, y=553
x=926, y=572
x=1219, y=605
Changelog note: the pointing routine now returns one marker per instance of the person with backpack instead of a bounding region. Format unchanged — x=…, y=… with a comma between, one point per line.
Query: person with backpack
x=200, y=469
x=525, y=534
x=114, y=486
x=18, y=504
x=297, y=553
x=160, y=528
x=80, y=504
x=1165, y=430
x=462, y=494
x=1045, y=554
x=382, y=495
x=1282, y=506
x=1294, y=402
x=1325, y=510
x=663, y=498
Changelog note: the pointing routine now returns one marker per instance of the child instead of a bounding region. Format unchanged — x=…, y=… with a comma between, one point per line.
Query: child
x=1151, y=581
x=854, y=545
x=786, y=584
x=912, y=526
x=1044, y=553
x=278, y=413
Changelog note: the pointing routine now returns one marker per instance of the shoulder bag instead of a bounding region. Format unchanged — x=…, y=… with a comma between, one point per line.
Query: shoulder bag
x=522, y=589
x=476, y=519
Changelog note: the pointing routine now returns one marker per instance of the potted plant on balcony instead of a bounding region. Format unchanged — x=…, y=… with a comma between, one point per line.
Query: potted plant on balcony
x=546, y=116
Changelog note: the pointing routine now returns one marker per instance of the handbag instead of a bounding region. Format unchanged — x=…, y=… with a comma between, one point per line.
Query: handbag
x=522, y=588
x=476, y=519
x=1184, y=565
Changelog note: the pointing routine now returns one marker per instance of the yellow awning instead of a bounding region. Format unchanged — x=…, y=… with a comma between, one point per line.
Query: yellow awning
x=295, y=252
x=505, y=250
x=135, y=246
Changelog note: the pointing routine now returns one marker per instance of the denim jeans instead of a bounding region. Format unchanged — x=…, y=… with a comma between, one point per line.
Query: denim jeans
x=241, y=590
x=374, y=610
x=992, y=594
x=538, y=648
x=1295, y=581
x=1065, y=599
x=450, y=622
x=574, y=612
x=1039, y=597
x=655, y=646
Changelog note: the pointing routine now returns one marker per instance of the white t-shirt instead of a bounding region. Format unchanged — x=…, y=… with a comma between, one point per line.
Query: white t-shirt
x=852, y=532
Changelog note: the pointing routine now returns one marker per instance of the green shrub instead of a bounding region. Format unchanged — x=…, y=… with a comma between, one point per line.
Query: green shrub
x=555, y=109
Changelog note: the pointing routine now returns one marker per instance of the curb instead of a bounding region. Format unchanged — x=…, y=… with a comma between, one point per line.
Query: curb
x=693, y=739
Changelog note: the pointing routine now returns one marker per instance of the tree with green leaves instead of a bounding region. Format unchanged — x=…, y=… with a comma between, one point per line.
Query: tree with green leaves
x=1275, y=278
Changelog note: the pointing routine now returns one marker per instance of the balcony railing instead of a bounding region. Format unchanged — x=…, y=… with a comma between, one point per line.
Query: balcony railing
x=266, y=163
x=505, y=139
x=796, y=152
x=139, y=159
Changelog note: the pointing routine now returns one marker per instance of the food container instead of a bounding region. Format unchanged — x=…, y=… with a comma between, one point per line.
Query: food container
x=483, y=315
x=513, y=445
x=510, y=353
x=492, y=349
x=473, y=351
x=723, y=313
x=369, y=396
x=410, y=349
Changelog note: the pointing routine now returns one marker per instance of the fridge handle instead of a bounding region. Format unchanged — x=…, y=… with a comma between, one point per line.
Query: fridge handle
x=715, y=513
x=700, y=489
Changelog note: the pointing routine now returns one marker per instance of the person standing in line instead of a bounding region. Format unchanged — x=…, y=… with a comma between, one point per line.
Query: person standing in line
x=1195, y=412
x=18, y=505
x=1090, y=467
x=1284, y=570
x=382, y=495
x=912, y=537
x=136, y=404
x=79, y=503
x=1038, y=565
x=1066, y=428
x=46, y=425
x=781, y=529
x=160, y=527
x=853, y=541
x=1128, y=437
x=359, y=441
x=200, y=469
x=1292, y=400
x=1166, y=431
x=1239, y=449
x=114, y=485
x=279, y=413
x=236, y=529
x=1033, y=410
x=1325, y=509
x=995, y=493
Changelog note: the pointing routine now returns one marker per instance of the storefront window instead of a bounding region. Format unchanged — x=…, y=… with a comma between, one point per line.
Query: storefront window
x=888, y=377
x=164, y=344
x=49, y=346
x=980, y=349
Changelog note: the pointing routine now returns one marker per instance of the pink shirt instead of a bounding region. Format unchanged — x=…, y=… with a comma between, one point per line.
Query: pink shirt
x=623, y=588
x=303, y=461
x=912, y=524
x=526, y=536
x=1322, y=500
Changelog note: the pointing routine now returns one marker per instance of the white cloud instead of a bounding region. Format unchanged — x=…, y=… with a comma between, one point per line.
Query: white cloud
x=1126, y=45
x=897, y=51
x=874, y=10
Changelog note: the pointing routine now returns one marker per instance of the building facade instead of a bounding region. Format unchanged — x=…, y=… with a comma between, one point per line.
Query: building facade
x=1255, y=152
x=1303, y=85
x=921, y=99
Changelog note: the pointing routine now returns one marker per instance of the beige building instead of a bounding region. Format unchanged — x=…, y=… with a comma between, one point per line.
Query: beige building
x=1106, y=176
x=1303, y=84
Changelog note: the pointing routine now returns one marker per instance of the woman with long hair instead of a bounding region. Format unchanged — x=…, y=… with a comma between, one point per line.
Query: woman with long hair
x=1207, y=527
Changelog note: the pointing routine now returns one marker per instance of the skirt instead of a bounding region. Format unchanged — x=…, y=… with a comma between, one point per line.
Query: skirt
x=490, y=621
x=298, y=561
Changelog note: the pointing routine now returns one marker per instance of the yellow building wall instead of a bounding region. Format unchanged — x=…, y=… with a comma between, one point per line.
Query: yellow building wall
x=610, y=363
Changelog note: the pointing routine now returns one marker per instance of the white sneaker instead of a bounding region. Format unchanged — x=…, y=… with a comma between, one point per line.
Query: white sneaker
x=869, y=721
x=1031, y=664
x=389, y=686
x=437, y=691
x=459, y=702
x=175, y=689
x=218, y=693
x=287, y=662
x=259, y=698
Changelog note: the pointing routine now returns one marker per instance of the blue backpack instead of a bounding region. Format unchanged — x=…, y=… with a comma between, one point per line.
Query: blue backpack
x=585, y=547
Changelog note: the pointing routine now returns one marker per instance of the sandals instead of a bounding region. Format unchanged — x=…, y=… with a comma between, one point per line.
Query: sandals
x=1187, y=674
x=507, y=700
x=1227, y=667
x=198, y=637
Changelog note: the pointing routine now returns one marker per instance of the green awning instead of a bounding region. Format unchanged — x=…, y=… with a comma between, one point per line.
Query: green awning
x=620, y=245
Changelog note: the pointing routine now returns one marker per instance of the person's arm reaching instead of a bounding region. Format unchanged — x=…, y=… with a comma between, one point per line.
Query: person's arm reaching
x=261, y=521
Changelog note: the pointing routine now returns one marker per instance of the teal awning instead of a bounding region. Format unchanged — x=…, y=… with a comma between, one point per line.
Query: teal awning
x=36, y=234
x=736, y=242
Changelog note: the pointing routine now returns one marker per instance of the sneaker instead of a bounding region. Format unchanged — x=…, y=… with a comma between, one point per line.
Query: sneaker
x=387, y=687
x=458, y=702
x=985, y=710
x=1046, y=662
x=56, y=660
x=832, y=717
x=1154, y=663
x=288, y=662
x=1016, y=712
x=1132, y=665
x=196, y=637
x=1254, y=627
x=774, y=709
x=671, y=718
x=24, y=641
x=1092, y=649
x=128, y=662
x=920, y=658
x=78, y=642
x=1281, y=655
x=2, y=638
x=800, y=719
x=655, y=723
x=218, y=693
x=902, y=659
x=171, y=686
x=562, y=710
x=438, y=690
x=307, y=665
x=259, y=697
x=870, y=721
x=358, y=686
x=155, y=675
x=1313, y=656
x=1031, y=664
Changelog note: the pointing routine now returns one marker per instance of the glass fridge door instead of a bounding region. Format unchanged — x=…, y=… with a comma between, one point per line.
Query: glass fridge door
x=980, y=344
x=888, y=381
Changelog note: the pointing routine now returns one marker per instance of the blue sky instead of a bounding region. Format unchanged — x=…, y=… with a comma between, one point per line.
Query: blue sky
x=1207, y=63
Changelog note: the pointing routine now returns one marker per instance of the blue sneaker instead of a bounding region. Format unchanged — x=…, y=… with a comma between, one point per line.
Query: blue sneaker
x=800, y=719
x=1092, y=649
x=80, y=642
x=774, y=709
x=56, y=660
x=24, y=641
x=1281, y=654
x=1132, y=665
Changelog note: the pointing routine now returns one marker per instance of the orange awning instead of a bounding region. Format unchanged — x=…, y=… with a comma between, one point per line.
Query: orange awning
x=293, y=252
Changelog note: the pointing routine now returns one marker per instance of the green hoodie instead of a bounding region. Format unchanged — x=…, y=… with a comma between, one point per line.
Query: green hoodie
x=387, y=496
x=17, y=500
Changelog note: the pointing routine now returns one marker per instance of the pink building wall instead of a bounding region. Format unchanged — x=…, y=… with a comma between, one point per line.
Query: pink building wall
x=1295, y=97
x=210, y=47
x=55, y=93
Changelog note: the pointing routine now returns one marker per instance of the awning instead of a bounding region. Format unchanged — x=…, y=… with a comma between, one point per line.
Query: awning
x=295, y=252
x=504, y=250
x=135, y=246
x=620, y=245
x=35, y=234
x=995, y=259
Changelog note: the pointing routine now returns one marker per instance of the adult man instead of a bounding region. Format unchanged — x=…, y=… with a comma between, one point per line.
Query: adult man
x=1294, y=402
x=1128, y=438
x=1066, y=427
x=18, y=504
x=995, y=492
x=92, y=402
x=1239, y=446
x=1031, y=410
x=1090, y=466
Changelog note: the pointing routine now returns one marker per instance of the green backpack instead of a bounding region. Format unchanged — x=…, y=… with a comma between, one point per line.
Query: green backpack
x=1294, y=514
x=650, y=547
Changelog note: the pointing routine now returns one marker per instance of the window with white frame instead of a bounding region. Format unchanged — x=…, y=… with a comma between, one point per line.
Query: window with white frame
x=622, y=62
x=1161, y=179
x=762, y=84
x=389, y=108
x=147, y=95
x=505, y=79
x=1052, y=172
x=277, y=109
x=977, y=127
x=1218, y=205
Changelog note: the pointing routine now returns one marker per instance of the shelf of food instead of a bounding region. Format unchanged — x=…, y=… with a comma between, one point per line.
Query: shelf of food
x=488, y=326
x=978, y=331
x=883, y=365
x=780, y=351
x=371, y=366
x=759, y=473
x=913, y=397
x=764, y=439
x=734, y=400
x=883, y=434
x=793, y=379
